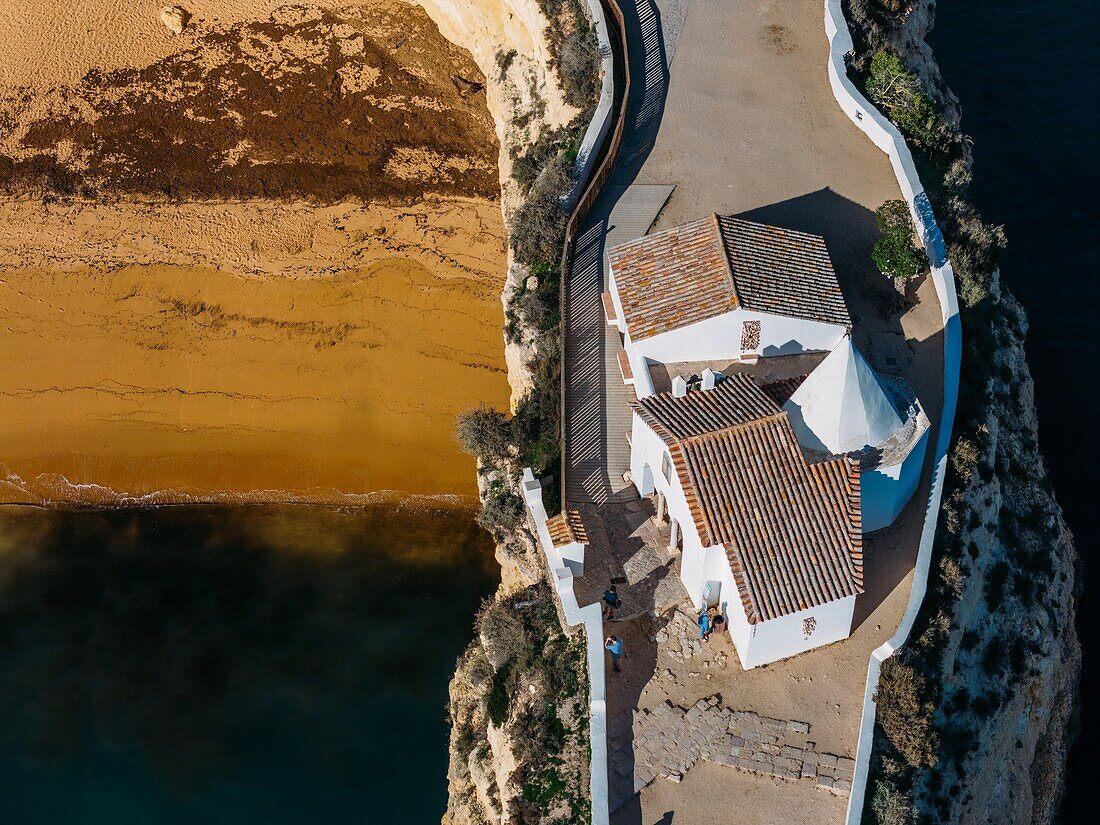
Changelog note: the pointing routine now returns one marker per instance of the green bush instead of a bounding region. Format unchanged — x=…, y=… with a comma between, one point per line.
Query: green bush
x=484, y=433
x=905, y=713
x=501, y=509
x=575, y=51
x=894, y=252
x=889, y=805
x=899, y=94
x=498, y=705
x=537, y=229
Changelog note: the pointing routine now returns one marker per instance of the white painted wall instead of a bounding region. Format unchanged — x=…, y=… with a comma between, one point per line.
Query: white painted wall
x=720, y=337
x=884, y=491
x=598, y=127
x=591, y=616
x=781, y=638
x=887, y=138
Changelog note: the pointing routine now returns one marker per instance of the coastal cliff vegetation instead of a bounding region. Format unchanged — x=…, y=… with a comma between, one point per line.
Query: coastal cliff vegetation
x=518, y=708
x=994, y=642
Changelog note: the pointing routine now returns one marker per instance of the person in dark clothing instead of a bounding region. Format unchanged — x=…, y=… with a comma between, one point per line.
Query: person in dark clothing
x=611, y=602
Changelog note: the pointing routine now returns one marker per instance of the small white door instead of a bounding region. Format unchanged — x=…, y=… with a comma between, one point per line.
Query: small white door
x=712, y=593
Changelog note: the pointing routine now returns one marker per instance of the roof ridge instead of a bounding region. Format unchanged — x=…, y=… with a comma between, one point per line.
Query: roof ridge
x=743, y=425
x=724, y=251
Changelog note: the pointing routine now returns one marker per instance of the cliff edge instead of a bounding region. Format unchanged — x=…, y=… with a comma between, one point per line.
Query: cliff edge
x=978, y=712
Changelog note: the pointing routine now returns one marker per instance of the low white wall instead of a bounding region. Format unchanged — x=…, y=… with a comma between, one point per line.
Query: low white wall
x=598, y=127
x=591, y=616
x=886, y=136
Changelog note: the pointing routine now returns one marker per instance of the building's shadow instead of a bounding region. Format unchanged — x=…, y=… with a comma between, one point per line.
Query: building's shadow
x=850, y=231
x=649, y=80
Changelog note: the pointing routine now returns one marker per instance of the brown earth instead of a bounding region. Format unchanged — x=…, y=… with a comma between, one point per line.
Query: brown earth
x=258, y=261
x=369, y=102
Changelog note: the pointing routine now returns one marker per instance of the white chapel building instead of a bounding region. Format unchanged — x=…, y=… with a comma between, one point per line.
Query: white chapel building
x=768, y=482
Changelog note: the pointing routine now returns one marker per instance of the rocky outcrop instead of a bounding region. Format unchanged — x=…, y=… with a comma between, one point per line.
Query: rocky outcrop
x=1011, y=659
x=497, y=772
x=996, y=638
x=175, y=18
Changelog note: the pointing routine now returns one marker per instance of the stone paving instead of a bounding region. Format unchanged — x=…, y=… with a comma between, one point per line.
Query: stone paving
x=669, y=740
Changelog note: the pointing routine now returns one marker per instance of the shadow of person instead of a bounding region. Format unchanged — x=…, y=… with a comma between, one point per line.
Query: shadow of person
x=624, y=690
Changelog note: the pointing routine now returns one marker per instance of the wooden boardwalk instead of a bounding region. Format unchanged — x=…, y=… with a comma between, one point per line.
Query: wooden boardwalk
x=597, y=412
x=597, y=402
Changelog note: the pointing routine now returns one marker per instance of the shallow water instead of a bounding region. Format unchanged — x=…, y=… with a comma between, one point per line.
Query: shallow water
x=275, y=664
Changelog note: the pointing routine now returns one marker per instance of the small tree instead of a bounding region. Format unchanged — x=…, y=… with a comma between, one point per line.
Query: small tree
x=484, y=433
x=895, y=253
x=900, y=95
x=905, y=713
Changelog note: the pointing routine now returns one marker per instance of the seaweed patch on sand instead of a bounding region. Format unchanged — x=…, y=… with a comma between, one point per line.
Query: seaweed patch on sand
x=360, y=102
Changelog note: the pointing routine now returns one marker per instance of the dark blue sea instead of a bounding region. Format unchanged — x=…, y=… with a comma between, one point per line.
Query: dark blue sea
x=232, y=666
x=1026, y=72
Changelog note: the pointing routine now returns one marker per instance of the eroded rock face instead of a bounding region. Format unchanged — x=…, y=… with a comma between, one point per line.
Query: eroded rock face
x=175, y=18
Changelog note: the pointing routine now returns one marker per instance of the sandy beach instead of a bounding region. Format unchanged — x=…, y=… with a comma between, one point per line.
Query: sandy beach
x=257, y=261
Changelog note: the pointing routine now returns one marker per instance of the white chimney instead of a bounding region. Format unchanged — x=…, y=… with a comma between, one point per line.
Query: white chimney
x=679, y=387
x=710, y=378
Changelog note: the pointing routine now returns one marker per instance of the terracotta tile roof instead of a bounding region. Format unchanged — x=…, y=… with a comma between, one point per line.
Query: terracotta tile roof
x=673, y=278
x=791, y=526
x=736, y=400
x=782, y=271
x=781, y=391
x=705, y=268
x=791, y=529
x=566, y=528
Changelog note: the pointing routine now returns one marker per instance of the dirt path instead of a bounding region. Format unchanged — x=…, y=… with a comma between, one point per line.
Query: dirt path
x=735, y=110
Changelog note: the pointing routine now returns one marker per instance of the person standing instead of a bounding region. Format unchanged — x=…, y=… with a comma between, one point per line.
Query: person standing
x=611, y=602
x=614, y=646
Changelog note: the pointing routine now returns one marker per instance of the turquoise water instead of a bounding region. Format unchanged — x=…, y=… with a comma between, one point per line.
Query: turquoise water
x=232, y=665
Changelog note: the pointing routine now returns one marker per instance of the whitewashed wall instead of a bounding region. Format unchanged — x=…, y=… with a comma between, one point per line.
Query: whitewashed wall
x=561, y=572
x=781, y=638
x=884, y=491
x=886, y=136
x=720, y=337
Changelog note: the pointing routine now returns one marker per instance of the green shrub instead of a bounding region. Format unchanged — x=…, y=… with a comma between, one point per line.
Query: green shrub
x=537, y=229
x=501, y=509
x=899, y=94
x=894, y=252
x=905, y=713
x=504, y=62
x=889, y=805
x=484, y=433
x=498, y=705
x=575, y=51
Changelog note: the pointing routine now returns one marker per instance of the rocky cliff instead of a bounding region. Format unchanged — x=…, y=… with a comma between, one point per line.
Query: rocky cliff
x=518, y=700
x=978, y=712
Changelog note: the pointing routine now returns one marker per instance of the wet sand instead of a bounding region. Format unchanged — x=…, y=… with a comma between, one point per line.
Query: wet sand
x=260, y=261
x=210, y=384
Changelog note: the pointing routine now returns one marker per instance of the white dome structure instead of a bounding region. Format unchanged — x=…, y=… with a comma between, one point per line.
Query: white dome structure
x=845, y=407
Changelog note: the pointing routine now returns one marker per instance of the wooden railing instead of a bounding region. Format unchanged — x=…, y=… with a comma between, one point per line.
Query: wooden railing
x=584, y=205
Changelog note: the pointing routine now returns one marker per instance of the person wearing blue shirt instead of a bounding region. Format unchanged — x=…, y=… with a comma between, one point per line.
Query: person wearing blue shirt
x=704, y=626
x=614, y=646
x=612, y=602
